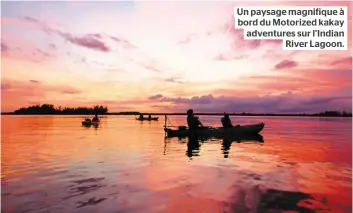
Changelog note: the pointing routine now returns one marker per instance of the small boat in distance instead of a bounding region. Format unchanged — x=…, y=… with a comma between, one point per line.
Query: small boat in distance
x=89, y=122
x=147, y=119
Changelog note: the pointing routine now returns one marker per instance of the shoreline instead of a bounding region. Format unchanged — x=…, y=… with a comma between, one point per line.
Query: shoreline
x=200, y=114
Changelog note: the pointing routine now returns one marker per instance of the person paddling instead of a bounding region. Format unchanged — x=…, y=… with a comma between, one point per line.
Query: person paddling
x=192, y=120
x=95, y=119
x=226, y=122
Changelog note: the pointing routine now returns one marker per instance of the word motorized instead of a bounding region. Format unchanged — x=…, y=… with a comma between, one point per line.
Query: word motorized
x=288, y=22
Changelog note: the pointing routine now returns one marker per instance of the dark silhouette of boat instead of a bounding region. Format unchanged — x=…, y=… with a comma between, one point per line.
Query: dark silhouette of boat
x=88, y=122
x=182, y=131
x=147, y=119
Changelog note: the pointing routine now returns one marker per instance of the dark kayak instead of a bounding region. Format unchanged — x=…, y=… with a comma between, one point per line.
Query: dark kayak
x=216, y=132
x=89, y=123
x=148, y=119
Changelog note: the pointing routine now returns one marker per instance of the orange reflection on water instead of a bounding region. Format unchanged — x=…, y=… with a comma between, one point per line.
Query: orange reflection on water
x=127, y=165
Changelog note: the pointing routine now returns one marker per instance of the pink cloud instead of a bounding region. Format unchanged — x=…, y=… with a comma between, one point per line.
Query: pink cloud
x=344, y=63
x=35, y=55
x=155, y=97
x=4, y=47
x=286, y=64
x=174, y=80
x=87, y=41
x=52, y=46
x=125, y=43
x=90, y=41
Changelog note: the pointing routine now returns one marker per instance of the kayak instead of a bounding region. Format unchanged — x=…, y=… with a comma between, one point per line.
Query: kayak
x=89, y=123
x=216, y=131
x=148, y=119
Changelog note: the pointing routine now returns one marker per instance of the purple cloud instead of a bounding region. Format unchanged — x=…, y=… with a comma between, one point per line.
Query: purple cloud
x=30, y=19
x=155, y=97
x=173, y=80
x=283, y=103
x=123, y=42
x=4, y=47
x=33, y=20
x=150, y=67
x=87, y=41
x=5, y=86
x=41, y=52
x=347, y=62
x=34, y=81
x=194, y=100
x=286, y=64
x=52, y=46
x=96, y=35
x=70, y=91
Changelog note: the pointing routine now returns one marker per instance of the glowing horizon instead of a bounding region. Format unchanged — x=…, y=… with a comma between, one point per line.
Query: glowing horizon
x=161, y=57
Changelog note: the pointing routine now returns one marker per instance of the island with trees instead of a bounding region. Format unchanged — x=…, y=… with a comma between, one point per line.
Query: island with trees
x=49, y=109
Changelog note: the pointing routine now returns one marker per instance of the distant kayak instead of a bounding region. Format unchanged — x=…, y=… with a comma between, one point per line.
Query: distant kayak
x=216, y=132
x=88, y=122
x=148, y=119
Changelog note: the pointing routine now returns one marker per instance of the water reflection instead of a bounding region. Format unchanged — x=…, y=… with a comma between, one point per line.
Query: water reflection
x=227, y=142
x=95, y=126
x=265, y=200
x=194, y=143
x=53, y=164
x=193, y=147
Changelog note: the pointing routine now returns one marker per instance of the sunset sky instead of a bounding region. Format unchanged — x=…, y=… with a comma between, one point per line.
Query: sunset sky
x=161, y=57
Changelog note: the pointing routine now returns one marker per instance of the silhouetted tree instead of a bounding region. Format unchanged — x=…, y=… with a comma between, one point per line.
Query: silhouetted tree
x=49, y=109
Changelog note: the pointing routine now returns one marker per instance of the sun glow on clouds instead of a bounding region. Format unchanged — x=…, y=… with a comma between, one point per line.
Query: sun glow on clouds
x=122, y=53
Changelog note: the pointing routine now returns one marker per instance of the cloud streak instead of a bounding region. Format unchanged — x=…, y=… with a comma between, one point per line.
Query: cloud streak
x=90, y=41
x=4, y=47
x=155, y=97
x=286, y=64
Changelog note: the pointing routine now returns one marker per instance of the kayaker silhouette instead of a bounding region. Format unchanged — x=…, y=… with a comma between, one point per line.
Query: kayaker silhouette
x=192, y=120
x=226, y=122
x=96, y=119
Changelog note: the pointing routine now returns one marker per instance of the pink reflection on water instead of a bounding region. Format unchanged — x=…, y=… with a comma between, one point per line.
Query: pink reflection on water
x=53, y=163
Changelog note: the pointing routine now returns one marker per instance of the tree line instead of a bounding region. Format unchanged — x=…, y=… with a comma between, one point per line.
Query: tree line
x=49, y=109
x=320, y=114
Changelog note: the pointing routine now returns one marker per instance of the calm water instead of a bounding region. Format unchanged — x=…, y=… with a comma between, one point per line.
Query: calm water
x=53, y=164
